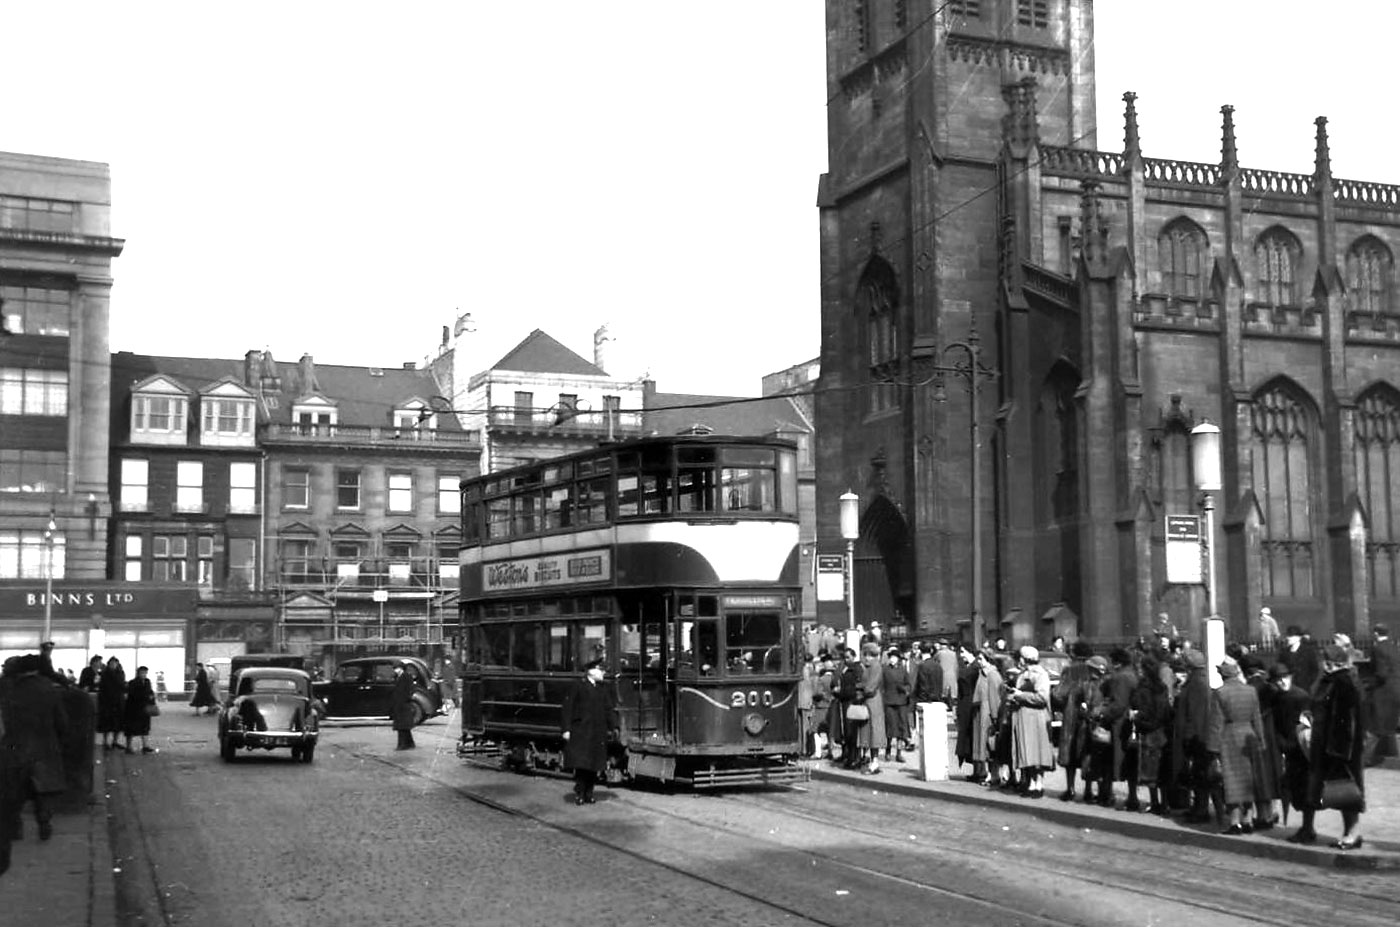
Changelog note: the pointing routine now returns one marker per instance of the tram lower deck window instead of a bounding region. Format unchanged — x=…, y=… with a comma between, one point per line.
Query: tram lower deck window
x=753, y=642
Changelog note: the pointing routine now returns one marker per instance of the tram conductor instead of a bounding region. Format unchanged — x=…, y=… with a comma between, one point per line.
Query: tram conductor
x=588, y=719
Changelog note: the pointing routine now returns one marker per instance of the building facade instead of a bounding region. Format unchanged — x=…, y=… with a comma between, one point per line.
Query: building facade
x=1020, y=331
x=56, y=251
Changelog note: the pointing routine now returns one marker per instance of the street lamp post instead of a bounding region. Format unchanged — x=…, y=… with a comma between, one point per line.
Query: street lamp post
x=48, y=579
x=928, y=356
x=850, y=530
x=1205, y=465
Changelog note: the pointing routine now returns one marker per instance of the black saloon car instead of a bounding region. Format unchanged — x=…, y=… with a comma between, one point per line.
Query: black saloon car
x=272, y=707
x=364, y=688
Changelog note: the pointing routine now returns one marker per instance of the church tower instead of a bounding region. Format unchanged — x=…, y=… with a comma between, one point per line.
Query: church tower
x=927, y=211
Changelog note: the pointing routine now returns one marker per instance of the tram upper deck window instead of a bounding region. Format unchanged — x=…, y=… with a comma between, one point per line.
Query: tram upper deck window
x=696, y=485
x=498, y=518
x=558, y=506
x=591, y=501
x=753, y=642
x=644, y=482
x=749, y=479
x=526, y=511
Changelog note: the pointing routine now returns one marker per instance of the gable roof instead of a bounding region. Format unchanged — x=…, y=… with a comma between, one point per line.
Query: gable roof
x=540, y=353
x=670, y=413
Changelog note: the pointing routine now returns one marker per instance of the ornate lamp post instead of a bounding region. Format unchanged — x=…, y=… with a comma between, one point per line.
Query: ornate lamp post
x=928, y=356
x=850, y=530
x=1205, y=465
x=48, y=579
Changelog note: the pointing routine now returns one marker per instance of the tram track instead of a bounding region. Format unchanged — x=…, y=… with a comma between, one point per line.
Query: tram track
x=1250, y=893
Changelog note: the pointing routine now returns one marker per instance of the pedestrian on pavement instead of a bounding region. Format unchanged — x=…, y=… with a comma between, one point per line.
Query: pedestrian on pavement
x=111, y=702
x=822, y=700
x=1291, y=704
x=161, y=692
x=1032, y=754
x=31, y=751
x=1301, y=656
x=1150, y=713
x=1068, y=699
x=1121, y=757
x=1383, y=695
x=203, y=691
x=1190, y=728
x=140, y=706
x=402, y=707
x=588, y=719
x=950, y=662
x=968, y=675
x=1268, y=761
x=46, y=667
x=987, y=693
x=895, y=688
x=870, y=736
x=846, y=692
x=1236, y=736
x=1336, y=749
x=1268, y=630
x=806, y=729
x=91, y=675
x=928, y=676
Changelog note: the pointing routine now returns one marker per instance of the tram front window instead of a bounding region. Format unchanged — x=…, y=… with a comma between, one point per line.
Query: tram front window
x=753, y=642
x=697, y=646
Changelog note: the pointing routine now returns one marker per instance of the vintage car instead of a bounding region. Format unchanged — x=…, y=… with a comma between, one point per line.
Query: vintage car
x=364, y=688
x=272, y=707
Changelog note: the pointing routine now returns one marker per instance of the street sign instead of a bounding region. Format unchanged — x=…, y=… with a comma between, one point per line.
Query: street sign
x=1184, y=549
x=831, y=578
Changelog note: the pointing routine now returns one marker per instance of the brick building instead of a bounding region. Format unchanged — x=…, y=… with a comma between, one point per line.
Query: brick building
x=1113, y=301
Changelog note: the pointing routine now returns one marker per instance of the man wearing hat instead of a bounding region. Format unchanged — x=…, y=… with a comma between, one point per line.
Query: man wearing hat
x=588, y=717
x=1300, y=655
x=1383, y=695
x=34, y=722
x=1289, y=705
x=1190, y=728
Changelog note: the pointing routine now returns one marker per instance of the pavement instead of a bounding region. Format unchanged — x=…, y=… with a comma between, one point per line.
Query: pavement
x=69, y=880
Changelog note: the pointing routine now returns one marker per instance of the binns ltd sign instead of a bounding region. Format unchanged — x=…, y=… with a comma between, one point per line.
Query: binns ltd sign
x=59, y=599
x=74, y=600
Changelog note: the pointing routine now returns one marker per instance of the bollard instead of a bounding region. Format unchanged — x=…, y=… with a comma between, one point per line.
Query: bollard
x=933, y=741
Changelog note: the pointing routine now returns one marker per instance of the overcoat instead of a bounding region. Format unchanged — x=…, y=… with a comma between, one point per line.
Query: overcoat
x=1338, y=741
x=1068, y=697
x=35, y=724
x=986, y=705
x=203, y=692
x=1118, y=695
x=1384, y=696
x=895, y=685
x=1237, y=735
x=1305, y=663
x=1030, y=721
x=871, y=735
x=1190, y=727
x=928, y=680
x=1153, y=722
x=1288, y=711
x=401, y=702
x=111, y=700
x=967, y=679
x=588, y=714
x=139, y=694
x=1268, y=768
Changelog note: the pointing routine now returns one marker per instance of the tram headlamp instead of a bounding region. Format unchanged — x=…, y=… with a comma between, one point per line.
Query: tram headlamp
x=754, y=723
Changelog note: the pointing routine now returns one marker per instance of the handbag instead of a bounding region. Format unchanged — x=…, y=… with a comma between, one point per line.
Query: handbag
x=1100, y=734
x=1341, y=794
x=857, y=712
x=152, y=709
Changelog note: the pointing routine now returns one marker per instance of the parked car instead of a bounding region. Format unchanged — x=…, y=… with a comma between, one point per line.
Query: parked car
x=241, y=662
x=364, y=688
x=272, y=707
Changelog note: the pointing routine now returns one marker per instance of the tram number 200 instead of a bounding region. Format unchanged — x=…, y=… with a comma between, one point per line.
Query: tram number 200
x=752, y=698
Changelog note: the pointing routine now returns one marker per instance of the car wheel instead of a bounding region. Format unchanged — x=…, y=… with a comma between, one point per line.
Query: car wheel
x=308, y=752
x=227, y=750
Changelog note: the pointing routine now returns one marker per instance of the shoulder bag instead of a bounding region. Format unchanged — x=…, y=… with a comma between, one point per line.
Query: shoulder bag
x=152, y=709
x=856, y=711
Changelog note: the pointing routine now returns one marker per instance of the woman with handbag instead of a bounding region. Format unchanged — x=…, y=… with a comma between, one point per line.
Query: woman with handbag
x=1335, y=753
x=140, y=706
x=1236, y=736
x=870, y=734
x=1030, y=723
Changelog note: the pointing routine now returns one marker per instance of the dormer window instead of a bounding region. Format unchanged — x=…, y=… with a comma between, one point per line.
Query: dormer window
x=159, y=412
x=228, y=415
x=314, y=415
x=415, y=415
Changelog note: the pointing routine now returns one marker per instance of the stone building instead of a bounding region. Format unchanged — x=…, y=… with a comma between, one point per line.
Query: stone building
x=56, y=251
x=1108, y=302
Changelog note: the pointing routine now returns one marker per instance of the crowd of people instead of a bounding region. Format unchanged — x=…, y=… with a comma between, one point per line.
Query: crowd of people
x=1291, y=726
x=36, y=724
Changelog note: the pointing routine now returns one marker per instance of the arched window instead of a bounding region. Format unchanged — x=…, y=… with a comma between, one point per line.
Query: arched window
x=1378, y=483
x=1181, y=251
x=1283, y=434
x=1177, y=490
x=1368, y=275
x=877, y=302
x=1276, y=255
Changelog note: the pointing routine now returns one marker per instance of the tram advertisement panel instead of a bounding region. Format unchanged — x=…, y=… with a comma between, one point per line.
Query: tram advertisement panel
x=589, y=566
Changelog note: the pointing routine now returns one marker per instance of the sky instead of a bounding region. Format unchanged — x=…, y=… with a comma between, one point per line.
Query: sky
x=343, y=179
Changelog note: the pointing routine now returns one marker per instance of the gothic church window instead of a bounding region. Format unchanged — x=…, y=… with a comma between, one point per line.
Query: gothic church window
x=877, y=302
x=1283, y=431
x=1035, y=13
x=1181, y=250
x=1368, y=276
x=1378, y=484
x=1276, y=255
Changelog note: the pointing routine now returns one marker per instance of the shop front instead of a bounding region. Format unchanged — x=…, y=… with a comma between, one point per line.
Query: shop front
x=138, y=623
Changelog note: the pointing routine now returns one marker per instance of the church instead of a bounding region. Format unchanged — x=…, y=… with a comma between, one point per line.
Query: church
x=1023, y=320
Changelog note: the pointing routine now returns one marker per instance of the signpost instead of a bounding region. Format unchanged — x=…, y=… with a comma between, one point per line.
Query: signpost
x=1184, y=549
x=831, y=578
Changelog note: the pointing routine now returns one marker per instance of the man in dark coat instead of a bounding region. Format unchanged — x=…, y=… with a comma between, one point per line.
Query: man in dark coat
x=587, y=719
x=1383, y=695
x=1190, y=728
x=31, y=764
x=1068, y=700
x=401, y=707
x=1113, y=714
x=928, y=676
x=1300, y=655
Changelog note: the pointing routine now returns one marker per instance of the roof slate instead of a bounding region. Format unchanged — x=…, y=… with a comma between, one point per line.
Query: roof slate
x=733, y=415
x=540, y=353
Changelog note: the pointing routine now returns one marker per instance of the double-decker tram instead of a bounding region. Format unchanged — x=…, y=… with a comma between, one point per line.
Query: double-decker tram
x=673, y=559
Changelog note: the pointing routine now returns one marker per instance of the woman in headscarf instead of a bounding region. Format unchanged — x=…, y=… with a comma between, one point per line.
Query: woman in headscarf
x=1338, y=742
x=1030, y=723
x=1236, y=735
x=111, y=702
x=986, y=704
